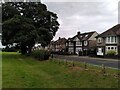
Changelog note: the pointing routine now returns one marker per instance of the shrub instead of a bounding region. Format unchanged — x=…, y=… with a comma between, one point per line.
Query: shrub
x=41, y=54
x=9, y=49
x=111, y=52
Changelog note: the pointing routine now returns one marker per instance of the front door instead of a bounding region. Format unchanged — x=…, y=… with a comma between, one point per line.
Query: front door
x=74, y=45
x=100, y=51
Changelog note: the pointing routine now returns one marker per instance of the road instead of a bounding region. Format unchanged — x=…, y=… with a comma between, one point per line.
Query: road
x=113, y=63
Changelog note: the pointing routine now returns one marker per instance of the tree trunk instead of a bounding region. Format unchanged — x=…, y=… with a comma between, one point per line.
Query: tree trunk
x=29, y=49
x=23, y=49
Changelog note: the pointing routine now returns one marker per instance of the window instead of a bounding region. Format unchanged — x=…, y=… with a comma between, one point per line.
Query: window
x=99, y=40
x=108, y=39
x=112, y=39
x=112, y=48
x=85, y=43
x=66, y=44
x=70, y=43
x=108, y=48
x=78, y=43
x=115, y=39
x=86, y=35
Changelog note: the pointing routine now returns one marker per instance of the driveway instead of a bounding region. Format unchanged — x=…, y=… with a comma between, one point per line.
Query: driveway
x=113, y=63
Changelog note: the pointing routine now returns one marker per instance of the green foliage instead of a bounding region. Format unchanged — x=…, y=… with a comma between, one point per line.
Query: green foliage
x=111, y=52
x=27, y=23
x=31, y=73
x=41, y=54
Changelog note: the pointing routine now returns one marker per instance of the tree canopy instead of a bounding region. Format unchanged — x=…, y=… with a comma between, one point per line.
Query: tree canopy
x=27, y=23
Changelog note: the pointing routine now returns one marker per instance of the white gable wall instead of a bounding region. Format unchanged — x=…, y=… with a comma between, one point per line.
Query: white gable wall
x=76, y=39
x=93, y=36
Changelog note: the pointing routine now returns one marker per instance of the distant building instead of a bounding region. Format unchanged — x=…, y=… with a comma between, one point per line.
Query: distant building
x=51, y=46
x=82, y=42
x=58, y=45
x=109, y=40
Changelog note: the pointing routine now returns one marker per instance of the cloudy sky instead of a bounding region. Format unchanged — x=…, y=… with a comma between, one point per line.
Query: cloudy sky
x=83, y=15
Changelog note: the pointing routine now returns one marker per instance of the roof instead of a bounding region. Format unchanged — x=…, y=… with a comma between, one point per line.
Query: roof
x=115, y=30
x=83, y=36
x=59, y=41
x=87, y=35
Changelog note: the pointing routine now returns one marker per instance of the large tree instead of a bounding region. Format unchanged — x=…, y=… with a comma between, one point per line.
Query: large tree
x=26, y=23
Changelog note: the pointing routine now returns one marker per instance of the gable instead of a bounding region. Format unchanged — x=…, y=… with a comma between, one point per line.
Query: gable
x=76, y=39
x=93, y=36
x=115, y=30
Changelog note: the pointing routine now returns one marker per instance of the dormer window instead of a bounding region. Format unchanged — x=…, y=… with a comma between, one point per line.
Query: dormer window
x=86, y=35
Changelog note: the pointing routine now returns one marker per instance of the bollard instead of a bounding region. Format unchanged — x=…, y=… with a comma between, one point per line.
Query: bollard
x=65, y=62
x=85, y=65
x=58, y=61
x=52, y=55
x=50, y=60
x=73, y=63
x=103, y=69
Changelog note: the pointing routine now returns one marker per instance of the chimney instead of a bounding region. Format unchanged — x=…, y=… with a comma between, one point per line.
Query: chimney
x=78, y=33
x=59, y=38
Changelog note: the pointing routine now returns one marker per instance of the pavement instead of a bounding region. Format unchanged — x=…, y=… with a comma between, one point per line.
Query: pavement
x=95, y=58
x=112, y=63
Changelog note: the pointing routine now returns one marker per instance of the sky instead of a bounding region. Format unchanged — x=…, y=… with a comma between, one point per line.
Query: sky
x=83, y=15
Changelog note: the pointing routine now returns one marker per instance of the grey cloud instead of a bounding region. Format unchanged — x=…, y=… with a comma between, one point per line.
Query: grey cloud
x=83, y=16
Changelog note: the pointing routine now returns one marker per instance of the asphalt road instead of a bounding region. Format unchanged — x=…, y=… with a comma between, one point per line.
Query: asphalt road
x=95, y=61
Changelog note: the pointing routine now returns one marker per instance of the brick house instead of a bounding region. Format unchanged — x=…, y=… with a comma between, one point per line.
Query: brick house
x=109, y=40
x=58, y=45
x=51, y=46
x=82, y=42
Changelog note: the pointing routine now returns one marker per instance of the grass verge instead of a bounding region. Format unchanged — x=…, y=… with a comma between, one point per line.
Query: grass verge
x=19, y=71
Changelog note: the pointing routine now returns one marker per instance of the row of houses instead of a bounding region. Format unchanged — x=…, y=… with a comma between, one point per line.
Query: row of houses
x=58, y=45
x=90, y=43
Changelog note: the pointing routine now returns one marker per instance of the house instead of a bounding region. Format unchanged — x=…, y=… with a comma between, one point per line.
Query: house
x=109, y=40
x=51, y=46
x=82, y=42
x=58, y=45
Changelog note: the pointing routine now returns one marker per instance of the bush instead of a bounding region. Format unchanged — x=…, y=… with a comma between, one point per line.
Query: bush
x=41, y=54
x=9, y=49
x=111, y=52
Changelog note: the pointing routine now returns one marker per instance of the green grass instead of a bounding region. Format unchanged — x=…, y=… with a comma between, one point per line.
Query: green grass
x=25, y=72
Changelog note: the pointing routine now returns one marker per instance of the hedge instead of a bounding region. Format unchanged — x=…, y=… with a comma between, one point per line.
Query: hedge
x=41, y=54
x=111, y=52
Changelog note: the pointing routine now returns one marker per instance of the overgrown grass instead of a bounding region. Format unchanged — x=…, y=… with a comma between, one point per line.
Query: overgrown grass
x=25, y=72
